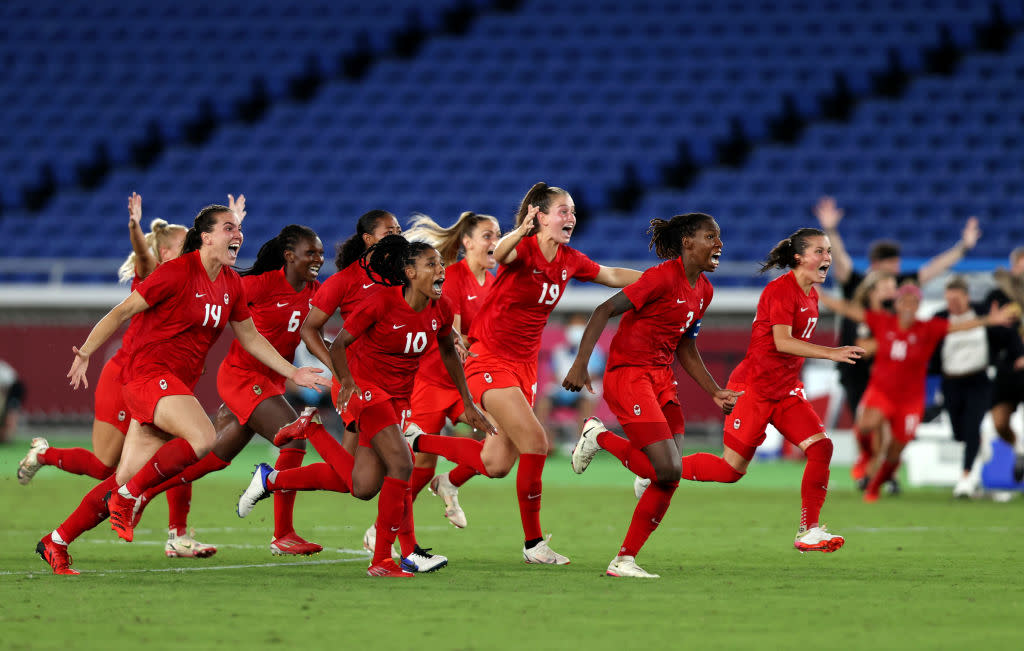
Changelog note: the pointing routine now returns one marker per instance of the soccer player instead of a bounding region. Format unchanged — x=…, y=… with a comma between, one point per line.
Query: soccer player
x=376, y=356
x=149, y=250
x=1008, y=387
x=663, y=312
x=502, y=368
x=895, y=395
x=769, y=379
x=435, y=397
x=185, y=305
x=278, y=288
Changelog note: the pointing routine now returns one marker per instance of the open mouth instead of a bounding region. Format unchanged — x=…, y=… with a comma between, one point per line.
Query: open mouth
x=315, y=270
x=716, y=258
x=823, y=269
x=567, y=229
x=437, y=285
x=233, y=249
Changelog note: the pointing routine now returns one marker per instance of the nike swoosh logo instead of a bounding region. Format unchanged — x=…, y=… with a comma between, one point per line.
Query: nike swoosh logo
x=198, y=295
x=368, y=286
x=393, y=529
x=537, y=271
x=398, y=326
x=655, y=521
x=679, y=301
x=469, y=298
x=282, y=304
x=804, y=309
x=533, y=497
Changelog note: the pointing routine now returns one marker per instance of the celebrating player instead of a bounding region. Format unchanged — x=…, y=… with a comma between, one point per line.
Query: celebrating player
x=663, y=312
x=185, y=305
x=769, y=379
x=505, y=343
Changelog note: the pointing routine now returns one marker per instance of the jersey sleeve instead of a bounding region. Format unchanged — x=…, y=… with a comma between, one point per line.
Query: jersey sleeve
x=446, y=310
x=648, y=287
x=328, y=297
x=938, y=328
x=165, y=281
x=585, y=268
x=240, y=302
x=253, y=286
x=366, y=315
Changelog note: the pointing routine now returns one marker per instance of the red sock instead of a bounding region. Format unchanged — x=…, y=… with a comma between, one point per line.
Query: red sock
x=528, y=490
x=407, y=530
x=707, y=467
x=390, y=511
x=331, y=451
x=91, y=512
x=647, y=516
x=460, y=474
x=457, y=449
x=172, y=457
x=814, y=486
x=883, y=475
x=314, y=477
x=179, y=501
x=210, y=463
x=624, y=451
x=420, y=478
x=77, y=461
x=284, y=500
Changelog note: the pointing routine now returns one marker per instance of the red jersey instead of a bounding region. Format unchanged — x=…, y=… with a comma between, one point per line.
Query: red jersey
x=277, y=312
x=187, y=312
x=130, y=334
x=390, y=339
x=666, y=308
x=523, y=296
x=466, y=296
x=764, y=369
x=901, y=361
x=344, y=290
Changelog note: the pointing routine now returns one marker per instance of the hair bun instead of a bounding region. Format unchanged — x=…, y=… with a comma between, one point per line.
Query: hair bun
x=158, y=225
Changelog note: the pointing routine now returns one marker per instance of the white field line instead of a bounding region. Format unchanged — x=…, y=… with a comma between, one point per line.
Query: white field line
x=199, y=568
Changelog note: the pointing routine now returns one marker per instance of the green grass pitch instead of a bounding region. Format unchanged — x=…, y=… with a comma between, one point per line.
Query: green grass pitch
x=917, y=571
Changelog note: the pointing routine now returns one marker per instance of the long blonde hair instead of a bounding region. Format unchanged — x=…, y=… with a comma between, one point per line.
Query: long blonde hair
x=157, y=237
x=447, y=241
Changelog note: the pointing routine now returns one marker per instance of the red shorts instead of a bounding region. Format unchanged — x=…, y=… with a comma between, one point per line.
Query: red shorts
x=489, y=371
x=793, y=416
x=373, y=409
x=346, y=416
x=142, y=394
x=243, y=389
x=431, y=405
x=109, y=398
x=645, y=400
x=903, y=418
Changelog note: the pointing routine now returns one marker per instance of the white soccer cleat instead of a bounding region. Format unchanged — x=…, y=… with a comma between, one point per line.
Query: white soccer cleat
x=625, y=566
x=818, y=539
x=29, y=465
x=370, y=541
x=411, y=433
x=966, y=488
x=422, y=561
x=587, y=446
x=256, y=491
x=447, y=491
x=543, y=555
x=186, y=546
x=640, y=485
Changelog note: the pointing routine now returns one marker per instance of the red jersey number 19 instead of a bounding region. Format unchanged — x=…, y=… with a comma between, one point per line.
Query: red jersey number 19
x=549, y=294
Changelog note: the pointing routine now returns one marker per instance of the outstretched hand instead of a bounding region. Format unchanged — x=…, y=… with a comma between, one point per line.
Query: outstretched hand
x=726, y=399
x=528, y=221
x=78, y=368
x=237, y=206
x=135, y=209
x=1003, y=316
x=847, y=354
x=971, y=233
x=311, y=378
x=828, y=213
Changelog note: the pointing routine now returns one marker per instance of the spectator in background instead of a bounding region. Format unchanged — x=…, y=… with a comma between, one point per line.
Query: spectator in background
x=555, y=397
x=12, y=394
x=1008, y=391
x=884, y=255
x=963, y=359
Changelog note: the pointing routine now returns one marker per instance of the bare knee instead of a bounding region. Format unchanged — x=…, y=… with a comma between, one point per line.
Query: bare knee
x=668, y=471
x=498, y=469
x=400, y=468
x=364, y=493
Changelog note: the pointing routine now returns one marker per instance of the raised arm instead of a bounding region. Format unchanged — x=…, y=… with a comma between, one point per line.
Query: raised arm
x=691, y=361
x=102, y=331
x=237, y=206
x=997, y=317
x=617, y=276
x=842, y=306
x=829, y=215
x=505, y=251
x=786, y=343
x=943, y=261
x=578, y=375
x=145, y=261
x=256, y=345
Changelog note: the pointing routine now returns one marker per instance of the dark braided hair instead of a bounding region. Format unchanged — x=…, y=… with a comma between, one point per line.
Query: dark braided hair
x=271, y=255
x=386, y=260
x=354, y=247
x=783, y=255
x=667, y=236
x=203, y=223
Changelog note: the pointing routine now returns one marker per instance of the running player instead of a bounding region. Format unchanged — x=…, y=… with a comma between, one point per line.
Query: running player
x=505, y=338
x=769, y=379
x=162, y=243
x=663, y=312
x=186, y=303
x=279, y=288
x=896, y=390
x=435, y=398
x=376, y=356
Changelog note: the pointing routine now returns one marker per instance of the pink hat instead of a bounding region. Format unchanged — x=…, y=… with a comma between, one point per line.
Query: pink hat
x=909, y=289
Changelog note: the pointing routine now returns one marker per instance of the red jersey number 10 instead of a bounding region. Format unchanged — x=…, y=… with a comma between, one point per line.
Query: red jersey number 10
x=415, y=344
